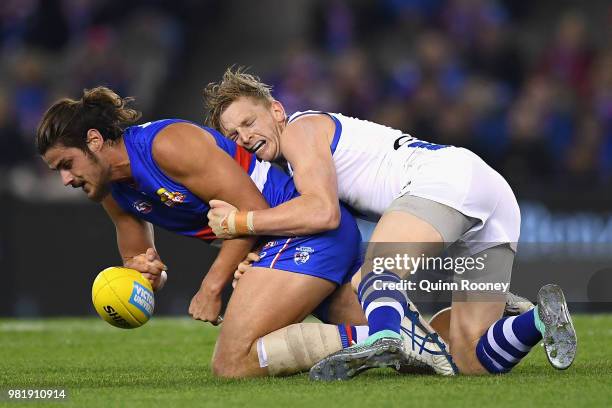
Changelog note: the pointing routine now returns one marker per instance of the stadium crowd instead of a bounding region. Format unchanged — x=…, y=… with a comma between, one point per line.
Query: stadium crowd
x=535, y=103
x=55, y=48
x=532, y=95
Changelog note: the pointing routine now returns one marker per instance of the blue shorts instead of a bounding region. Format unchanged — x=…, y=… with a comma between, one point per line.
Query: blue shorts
x=331, y=255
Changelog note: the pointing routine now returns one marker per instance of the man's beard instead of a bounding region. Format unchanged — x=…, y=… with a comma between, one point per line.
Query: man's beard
x=102, y=187
x=101, y=192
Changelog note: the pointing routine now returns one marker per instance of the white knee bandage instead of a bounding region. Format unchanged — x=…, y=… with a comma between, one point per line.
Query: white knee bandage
x=297, y=348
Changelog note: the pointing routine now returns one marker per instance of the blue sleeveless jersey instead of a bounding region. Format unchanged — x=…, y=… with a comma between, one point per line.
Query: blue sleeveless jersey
x=156, y=198
x=153, y=196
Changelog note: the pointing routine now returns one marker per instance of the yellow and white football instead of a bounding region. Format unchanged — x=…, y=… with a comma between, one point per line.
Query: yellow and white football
x=123, y=297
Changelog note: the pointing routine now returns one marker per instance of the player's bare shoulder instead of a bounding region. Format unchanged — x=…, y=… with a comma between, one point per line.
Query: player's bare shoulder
x=180, y=146
x=317, y=126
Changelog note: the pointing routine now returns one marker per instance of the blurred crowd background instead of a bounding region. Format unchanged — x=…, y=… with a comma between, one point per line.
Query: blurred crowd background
x=50, y=49
x=525, y=84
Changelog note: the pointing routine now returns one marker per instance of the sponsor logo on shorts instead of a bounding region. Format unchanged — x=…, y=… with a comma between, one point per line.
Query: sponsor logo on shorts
x=144, y=207
x=302, y=254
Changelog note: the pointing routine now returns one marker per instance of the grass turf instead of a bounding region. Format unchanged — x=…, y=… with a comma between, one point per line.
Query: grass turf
x=166, y=363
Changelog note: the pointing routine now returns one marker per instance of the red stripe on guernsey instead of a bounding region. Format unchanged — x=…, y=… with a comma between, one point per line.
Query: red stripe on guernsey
x=205, y=234
x=349, y=334
x=243, y=158
x=280, y=252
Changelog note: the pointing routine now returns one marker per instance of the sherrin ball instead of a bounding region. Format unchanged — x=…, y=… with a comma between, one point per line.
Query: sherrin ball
x=123, y=297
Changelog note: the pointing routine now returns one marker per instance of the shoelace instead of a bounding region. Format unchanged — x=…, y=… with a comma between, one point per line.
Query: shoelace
x=414, y=317
x=429, y=337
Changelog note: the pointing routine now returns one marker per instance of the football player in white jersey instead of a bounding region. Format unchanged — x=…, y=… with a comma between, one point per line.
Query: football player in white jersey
x=427, y=198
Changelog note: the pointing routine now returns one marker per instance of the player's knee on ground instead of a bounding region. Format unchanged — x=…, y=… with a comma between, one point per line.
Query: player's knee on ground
x=235, y=357
x=223, y=365
x=290, y=350
x=238, y=365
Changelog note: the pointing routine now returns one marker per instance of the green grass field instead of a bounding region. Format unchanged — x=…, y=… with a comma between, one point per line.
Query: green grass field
x=166, y=363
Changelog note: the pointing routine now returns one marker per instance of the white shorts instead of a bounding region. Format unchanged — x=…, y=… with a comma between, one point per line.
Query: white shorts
x=460, y=179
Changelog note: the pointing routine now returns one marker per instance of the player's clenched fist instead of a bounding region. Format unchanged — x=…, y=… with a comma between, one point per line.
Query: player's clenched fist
x=150, y=266
x=227, y=222
x=206, y=306
x=221, y=218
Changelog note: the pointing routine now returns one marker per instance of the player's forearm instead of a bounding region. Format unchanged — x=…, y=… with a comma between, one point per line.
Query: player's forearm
x=303, y=215
x=132, y=246
x=222, y=270
x=133, y=236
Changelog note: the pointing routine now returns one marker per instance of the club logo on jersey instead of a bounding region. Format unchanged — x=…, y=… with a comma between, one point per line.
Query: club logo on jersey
x=269, y=245
x=302, y=254
x=144, y=207
x=170, y=199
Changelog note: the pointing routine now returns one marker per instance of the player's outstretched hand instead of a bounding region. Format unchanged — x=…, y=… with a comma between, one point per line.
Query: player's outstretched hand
x=206, y=306
x=151, y=267
x=244, y=266
x=218, y=217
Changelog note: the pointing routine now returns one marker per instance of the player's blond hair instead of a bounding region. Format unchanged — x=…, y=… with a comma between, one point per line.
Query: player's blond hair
x=67, y=121
x=236, y=83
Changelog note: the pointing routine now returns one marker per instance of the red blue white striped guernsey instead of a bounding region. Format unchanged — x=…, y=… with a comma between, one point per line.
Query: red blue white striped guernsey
x=155, y=197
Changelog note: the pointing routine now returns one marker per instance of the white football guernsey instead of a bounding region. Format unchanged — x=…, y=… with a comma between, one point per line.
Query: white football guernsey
x=376, y=164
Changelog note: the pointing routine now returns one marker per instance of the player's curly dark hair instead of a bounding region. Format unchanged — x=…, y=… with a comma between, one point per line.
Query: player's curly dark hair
x=236, y=83
x=67, y=121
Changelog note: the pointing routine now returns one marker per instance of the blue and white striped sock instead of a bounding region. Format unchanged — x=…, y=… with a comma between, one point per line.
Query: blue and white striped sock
x=384, y=308
x=507, y=341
